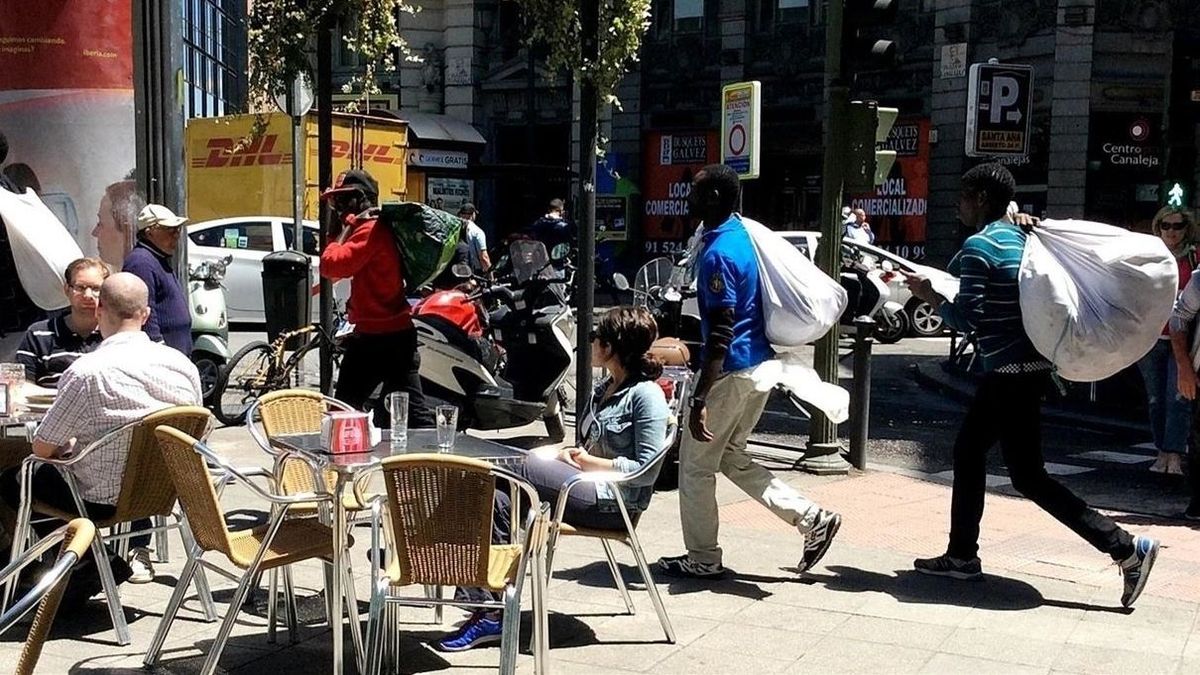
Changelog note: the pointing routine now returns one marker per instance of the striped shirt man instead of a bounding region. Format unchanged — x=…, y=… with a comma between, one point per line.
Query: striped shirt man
x=50, y=347
x=988, y=302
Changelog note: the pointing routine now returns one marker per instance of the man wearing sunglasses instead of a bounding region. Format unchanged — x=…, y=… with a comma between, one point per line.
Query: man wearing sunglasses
x=382, y=351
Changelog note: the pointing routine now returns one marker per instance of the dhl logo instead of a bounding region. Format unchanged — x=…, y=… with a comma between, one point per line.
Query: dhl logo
x=260, y=152
x=372, y=153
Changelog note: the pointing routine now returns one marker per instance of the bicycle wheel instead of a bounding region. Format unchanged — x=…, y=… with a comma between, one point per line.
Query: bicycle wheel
x=247, y=377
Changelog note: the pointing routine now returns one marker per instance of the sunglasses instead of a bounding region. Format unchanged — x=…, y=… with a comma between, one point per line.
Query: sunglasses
x=1167, y=225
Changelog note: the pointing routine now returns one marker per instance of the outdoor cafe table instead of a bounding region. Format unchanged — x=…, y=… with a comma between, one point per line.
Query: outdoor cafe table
x=349, y=467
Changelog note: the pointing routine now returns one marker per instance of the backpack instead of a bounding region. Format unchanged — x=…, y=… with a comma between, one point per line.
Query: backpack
x=427, y=239
x=1094, y=297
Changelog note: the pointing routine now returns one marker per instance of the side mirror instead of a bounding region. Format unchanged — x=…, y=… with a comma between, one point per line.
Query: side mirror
x=620, y=282
x=560, y=252
x=461, y=270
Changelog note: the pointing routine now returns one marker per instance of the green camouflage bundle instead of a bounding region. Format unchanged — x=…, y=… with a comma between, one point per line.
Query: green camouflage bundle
x=426, y=237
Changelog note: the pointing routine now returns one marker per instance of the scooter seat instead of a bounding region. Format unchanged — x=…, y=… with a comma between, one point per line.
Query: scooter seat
x=671, y=351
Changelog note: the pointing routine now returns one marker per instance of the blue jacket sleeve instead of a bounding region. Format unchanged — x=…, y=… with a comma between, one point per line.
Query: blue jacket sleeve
x=136, y=265
x=650, y=414
x=964, y=312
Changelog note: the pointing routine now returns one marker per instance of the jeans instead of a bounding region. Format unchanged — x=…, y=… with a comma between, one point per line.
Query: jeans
x=1170, y=413
x=1008, y=409
x=49, y=488
x=583, y=509
x=388, y=359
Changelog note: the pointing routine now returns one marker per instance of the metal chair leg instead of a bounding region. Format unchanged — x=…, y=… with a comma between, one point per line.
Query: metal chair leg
x=272, y=603
x=20, y=542
x=235, y=608
x=655, y=598
x=438, y=615
x=510, y=630
x=176, y=601
x=376, y=622
x=111, y=595
x=355, y=624
x=203, y=591
x=540, y=643
x=161, y=540
x=289, y=606
x=618, y=579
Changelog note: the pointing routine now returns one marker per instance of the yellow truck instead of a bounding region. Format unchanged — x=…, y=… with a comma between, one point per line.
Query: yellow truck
x=256, y=180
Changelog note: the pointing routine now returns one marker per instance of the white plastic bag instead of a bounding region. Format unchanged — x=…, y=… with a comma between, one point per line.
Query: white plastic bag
x=41, y=246
x=1095, y=298
x=800, y=303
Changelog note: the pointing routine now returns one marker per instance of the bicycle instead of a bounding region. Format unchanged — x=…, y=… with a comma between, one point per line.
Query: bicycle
x=259, y=368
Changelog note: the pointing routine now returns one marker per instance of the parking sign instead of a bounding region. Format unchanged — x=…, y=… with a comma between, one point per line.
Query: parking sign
x=740, y=114
x=999, y=110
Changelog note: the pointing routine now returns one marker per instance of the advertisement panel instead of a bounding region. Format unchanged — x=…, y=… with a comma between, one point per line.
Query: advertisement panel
x=66, y=112
x=897, y=209
x=671, y=159
x=448, y=194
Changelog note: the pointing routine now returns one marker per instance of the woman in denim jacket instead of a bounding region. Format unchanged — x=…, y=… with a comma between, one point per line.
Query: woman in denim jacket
x=626, y=425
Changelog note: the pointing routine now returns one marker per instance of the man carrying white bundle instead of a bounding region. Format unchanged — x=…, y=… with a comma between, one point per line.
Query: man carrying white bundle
x=1007, y=403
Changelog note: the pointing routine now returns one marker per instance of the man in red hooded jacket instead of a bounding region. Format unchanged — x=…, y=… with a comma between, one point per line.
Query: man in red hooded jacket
x=383, y=348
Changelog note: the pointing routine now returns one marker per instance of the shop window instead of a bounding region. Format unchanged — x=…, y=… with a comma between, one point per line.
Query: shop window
x=689, y=16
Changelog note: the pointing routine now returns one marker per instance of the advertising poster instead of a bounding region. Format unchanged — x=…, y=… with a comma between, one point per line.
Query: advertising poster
x=66, y=112
x=671, y=159
x=897, y=209
x=448, y=194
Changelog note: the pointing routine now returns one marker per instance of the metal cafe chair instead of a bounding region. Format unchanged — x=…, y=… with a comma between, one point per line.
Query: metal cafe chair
x=73, y=540
x=281, y=542
x=146, y=493
x=439, y=510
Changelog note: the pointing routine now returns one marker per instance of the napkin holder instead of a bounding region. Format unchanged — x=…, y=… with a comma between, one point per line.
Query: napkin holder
x=345, y=432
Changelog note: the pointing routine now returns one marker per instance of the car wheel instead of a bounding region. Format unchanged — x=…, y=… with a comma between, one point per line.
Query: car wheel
x=925, y=320
x=889, y=332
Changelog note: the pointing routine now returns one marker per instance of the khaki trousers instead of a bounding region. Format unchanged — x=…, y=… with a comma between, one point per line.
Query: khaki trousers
x=734, y=407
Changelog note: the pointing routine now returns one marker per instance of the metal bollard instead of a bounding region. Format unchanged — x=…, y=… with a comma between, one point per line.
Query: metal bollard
x=860, y=397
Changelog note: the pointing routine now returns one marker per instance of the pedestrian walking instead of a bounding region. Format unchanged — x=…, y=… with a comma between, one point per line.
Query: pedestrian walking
x=735, y=345
x=476, y=238
x=382, y=351
x=1170, y=411
x=1008, y=400
x=159, y=230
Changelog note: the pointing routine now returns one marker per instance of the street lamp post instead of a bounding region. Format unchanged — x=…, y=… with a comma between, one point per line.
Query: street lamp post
x=589, y=22
x=325, y=177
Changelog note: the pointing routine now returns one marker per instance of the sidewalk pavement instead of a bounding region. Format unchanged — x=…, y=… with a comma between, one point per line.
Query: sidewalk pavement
x=1049, y=602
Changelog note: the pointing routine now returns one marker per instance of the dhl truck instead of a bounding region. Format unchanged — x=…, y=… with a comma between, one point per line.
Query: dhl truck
x=231, y=174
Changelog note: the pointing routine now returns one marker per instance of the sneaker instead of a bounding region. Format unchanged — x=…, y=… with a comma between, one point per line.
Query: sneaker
x=480, y=629
x=946, y=566
x=684, y=566
x=819, y=538
x=139, y=564
x=1136, y=568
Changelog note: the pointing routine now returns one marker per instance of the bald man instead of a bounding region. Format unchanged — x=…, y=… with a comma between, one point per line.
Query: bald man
x=125, y=379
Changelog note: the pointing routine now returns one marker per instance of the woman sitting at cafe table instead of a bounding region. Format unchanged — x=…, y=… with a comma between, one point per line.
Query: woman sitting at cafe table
x=626, y=426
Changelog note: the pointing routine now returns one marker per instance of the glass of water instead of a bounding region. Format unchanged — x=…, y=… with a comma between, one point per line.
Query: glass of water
x=398, y=410
x=447, y=426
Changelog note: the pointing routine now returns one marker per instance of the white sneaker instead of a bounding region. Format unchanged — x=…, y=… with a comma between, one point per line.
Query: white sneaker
x=139, y=562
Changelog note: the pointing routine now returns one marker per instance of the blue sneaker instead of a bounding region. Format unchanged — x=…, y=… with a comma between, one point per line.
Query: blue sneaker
x=480, y=629
x=1136, y=568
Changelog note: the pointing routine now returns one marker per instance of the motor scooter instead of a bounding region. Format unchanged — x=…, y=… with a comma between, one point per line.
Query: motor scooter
x=869, y=294
x=505, y=367
x=210, y=326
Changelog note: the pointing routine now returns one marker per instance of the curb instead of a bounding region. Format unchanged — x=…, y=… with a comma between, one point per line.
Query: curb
x=933, y=377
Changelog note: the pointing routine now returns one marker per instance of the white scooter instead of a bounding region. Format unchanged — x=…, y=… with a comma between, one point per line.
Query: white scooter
x=210, y=326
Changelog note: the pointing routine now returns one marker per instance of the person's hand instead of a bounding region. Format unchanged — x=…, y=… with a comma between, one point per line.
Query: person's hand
x=698, y=423
x=921, y=287
x=1026, y=222
x=1187, y=383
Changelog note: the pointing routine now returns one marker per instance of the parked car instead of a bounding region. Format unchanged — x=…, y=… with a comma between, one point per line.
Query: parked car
x=922, y=317
x=247, y=239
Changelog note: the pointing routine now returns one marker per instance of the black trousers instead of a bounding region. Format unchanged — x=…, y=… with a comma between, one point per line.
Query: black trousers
x=1008, y=409
x=390, y=360
x=49, y=487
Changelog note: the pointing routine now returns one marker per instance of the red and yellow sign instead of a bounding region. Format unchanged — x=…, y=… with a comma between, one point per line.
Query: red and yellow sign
x=62, y=44
x=671, y=160
x=897, y=209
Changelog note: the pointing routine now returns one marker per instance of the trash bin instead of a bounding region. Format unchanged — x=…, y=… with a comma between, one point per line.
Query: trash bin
x=287, y=284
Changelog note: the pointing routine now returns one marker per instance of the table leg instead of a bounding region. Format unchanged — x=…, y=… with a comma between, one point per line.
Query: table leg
x=336, y=604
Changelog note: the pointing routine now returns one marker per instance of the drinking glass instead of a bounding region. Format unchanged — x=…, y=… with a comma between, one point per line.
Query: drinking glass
x=398, y=409
x=447, y=426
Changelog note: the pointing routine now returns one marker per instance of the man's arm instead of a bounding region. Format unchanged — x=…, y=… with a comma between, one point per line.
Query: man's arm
x=1182, y=320
x=344, y=258
x=69, y=413
x=720, y=322
x=964, y=312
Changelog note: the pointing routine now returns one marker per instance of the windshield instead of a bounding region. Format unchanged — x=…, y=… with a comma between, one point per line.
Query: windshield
x=529, y=259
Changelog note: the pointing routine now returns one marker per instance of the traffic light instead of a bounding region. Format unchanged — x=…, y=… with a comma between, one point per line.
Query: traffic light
x=868, y=126
x=862, y=46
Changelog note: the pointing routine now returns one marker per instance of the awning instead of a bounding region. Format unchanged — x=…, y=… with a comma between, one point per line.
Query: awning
x=431, y=127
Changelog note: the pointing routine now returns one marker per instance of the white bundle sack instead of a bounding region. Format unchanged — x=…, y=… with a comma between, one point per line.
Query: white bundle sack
x=41, y=246
x=1095, y=298
x=800, y=303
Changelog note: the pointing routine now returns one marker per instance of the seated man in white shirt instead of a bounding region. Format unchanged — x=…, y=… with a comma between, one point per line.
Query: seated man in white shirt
x=126, y=378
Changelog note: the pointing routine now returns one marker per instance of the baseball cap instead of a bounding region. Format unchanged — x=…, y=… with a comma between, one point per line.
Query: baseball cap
x=349, y=181
x=157, y=215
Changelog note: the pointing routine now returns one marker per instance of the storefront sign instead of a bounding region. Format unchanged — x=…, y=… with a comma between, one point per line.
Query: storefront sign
x=671, y=160
x=448, y=194
x=437, y=159
x=897, y=209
